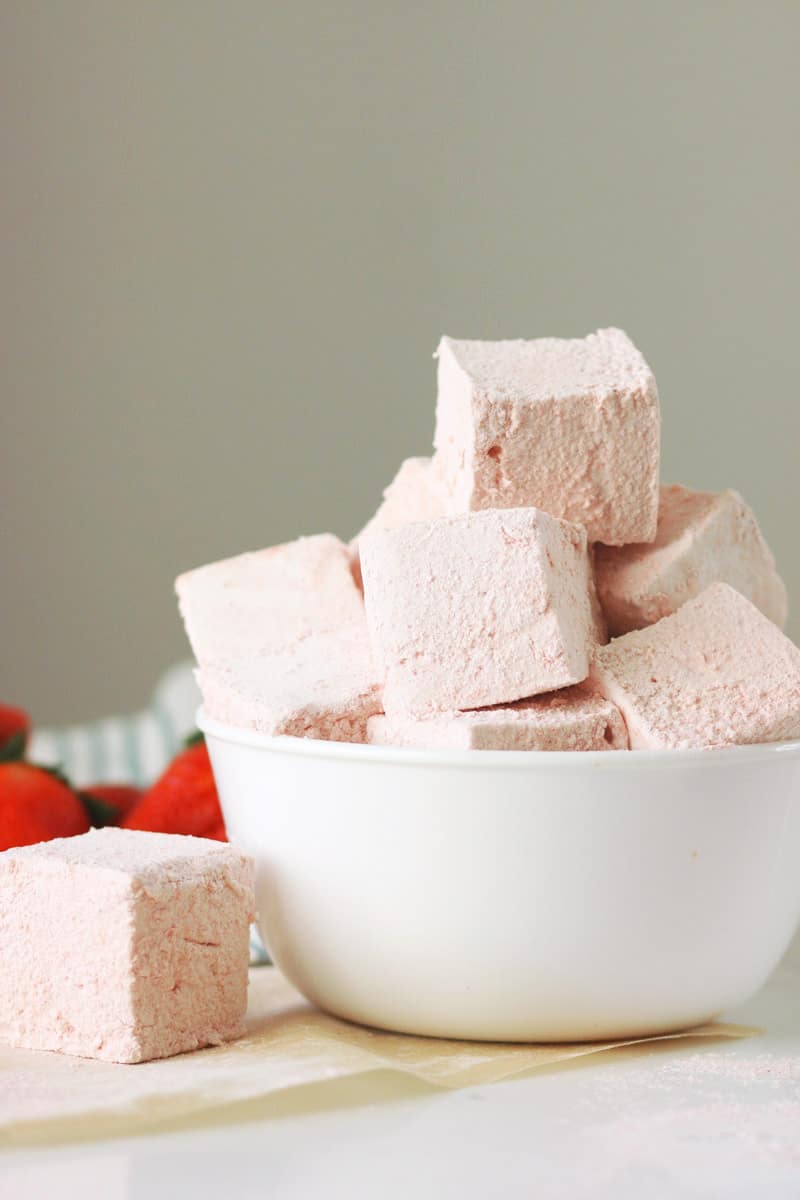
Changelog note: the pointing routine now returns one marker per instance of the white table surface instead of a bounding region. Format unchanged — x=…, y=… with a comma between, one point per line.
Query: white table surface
x=673, y=1121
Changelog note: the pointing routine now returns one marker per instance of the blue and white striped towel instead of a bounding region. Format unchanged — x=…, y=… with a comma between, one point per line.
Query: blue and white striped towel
x=127, y=749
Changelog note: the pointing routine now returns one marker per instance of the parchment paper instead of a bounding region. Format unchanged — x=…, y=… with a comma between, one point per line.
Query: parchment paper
x=288, y=1043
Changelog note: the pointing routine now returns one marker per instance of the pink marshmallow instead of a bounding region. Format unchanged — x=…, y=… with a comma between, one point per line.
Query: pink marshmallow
x=599, y=624
x=570, y=426
x=702, y=538
x=479, y=609
x=267, y=600
x=415, y=494
x=715, y=673
x=565, y=720
x=123, y=945
x=323, y=687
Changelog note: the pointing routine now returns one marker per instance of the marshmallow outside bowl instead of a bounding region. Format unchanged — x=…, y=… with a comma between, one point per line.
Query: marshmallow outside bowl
x=517, y=895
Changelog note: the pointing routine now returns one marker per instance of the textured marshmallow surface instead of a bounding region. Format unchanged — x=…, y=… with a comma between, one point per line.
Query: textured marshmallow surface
x=565, y=720
x=323, y=687
x=479, y=609
x=124, y=945
x=571, y=426
x=715, y=673
x=702, y=538
x=415, y=494
x=266, y=600
x=599, y=624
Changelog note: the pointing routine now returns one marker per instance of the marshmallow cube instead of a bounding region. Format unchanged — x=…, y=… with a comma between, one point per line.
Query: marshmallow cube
x=267, y=600
x=415, y=494
x=565, y=720
x=571, y=426
x=715, y=673
x=124, y=945
x=323, y=687
x=702, y=538
x=479, y=609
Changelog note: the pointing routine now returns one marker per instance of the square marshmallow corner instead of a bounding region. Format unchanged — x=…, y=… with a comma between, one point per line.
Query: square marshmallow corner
x=267, y=600
x=568, y=425
x=702, y=538
x=122, y=945
x=715, y=673
x=415, y=494
x=325, y=686
x=480, y=609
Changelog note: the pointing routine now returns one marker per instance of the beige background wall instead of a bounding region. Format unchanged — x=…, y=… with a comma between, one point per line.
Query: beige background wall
x=231, y=234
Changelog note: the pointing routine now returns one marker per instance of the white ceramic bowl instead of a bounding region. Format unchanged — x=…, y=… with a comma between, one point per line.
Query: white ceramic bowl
x=517, y=895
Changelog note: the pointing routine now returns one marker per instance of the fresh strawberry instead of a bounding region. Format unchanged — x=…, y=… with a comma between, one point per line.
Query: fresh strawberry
x=115, y=801
x=15, y=725
x=37, y=805
x=183, y=800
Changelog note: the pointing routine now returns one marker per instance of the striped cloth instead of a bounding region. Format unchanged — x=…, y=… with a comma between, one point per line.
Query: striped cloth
x=128, y=749
x=133, y=749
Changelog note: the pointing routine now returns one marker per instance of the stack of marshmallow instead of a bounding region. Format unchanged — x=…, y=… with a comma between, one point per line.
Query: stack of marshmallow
x=474, y=609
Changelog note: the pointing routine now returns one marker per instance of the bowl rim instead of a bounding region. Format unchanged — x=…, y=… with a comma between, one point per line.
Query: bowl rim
x=359, y=752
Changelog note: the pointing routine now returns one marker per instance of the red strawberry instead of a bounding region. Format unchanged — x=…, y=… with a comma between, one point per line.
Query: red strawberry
x=116, y=801
x=15, y=725
x=183, y=800
x=37, y=805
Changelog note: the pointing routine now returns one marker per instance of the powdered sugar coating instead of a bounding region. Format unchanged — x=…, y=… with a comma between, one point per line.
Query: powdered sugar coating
x=123, y=945
x=599, y=623
x=565, y=720
x=702, y=538
x=571, y=426
x=132, y=853
x=267, y=600
x=715, y=673
x=479, y=609
x=325, y=686
x=415, y=494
